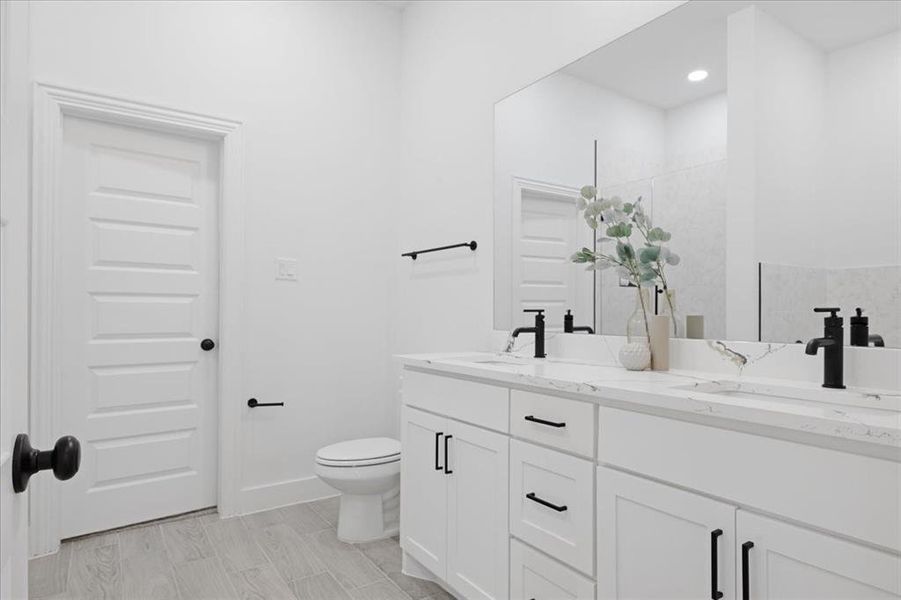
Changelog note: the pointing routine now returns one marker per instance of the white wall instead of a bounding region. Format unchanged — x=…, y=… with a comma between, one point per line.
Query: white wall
x=317, y=86
x=862, y=156
x=695, y=133
x=459, y=58
x=790, y=83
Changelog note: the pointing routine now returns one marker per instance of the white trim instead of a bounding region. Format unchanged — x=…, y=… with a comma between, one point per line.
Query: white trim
x=51, y=103
x=281, y=493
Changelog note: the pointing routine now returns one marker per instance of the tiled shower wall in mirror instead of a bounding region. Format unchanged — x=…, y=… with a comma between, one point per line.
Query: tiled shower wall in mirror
x=684, y=189
x=790, y=293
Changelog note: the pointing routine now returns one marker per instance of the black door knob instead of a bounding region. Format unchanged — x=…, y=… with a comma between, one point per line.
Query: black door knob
x=26, y=461
x=207, y=344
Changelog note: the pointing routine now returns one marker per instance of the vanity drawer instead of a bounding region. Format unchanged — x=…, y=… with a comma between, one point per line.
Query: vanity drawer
x=558, y=422
x=534, y=575
x=487, y=406
x=552, y=503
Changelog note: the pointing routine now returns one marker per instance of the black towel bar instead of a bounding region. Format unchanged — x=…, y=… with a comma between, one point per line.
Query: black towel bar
x=472, y=246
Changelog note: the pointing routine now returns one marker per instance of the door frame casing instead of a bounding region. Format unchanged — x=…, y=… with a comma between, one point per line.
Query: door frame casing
x=51, y=104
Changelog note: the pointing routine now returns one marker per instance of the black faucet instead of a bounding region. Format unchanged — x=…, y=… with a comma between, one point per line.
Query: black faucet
x=568, y=324
x=860, y=331
x=832, y=343
x=538, y=330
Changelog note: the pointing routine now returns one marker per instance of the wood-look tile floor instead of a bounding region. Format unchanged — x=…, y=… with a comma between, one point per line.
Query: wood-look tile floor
x=291, y=553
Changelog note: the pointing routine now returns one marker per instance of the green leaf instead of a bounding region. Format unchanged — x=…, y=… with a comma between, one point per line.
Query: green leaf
x=649, y=254
x=658, y=235
x=625, y=252
x=588, y=192
x=620, y=230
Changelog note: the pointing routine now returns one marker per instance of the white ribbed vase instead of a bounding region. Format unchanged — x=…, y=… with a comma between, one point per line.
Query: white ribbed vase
x=635, y=356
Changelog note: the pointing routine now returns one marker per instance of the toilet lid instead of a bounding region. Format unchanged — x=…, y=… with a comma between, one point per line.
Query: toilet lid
x=365, y=450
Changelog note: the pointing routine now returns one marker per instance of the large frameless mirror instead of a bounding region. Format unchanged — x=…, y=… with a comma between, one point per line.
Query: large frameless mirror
x=760, y=139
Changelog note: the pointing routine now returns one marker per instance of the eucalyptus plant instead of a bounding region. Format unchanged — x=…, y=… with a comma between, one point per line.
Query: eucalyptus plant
x=643, y=263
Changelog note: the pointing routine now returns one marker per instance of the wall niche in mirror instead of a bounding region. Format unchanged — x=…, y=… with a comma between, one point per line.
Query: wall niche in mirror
x=764, y=137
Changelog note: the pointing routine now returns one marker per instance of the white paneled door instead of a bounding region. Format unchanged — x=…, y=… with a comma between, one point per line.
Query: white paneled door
x=14, y=230
x=547, y=229
x=138, y=278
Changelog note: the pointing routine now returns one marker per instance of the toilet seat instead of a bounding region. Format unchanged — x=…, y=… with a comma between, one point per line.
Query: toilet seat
x=360, y=453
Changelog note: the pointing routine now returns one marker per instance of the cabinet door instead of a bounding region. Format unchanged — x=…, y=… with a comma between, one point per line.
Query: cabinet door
x=478, y=550
x=787, y=562
x=655, y=541
x=423, y=489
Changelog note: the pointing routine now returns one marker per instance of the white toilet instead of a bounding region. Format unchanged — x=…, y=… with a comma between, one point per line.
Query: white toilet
x=367, y=473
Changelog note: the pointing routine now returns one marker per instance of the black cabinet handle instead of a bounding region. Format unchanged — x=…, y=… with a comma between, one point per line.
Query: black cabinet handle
x=531, y=496
x=745, y=577
x=64, y=459
x=447, y=470
x=535, y=419
x=207, y=345
x=715, y=593
x=253, y=403
x=438, y=435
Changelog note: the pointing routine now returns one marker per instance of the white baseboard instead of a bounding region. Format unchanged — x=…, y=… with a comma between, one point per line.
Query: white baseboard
x=281, y=493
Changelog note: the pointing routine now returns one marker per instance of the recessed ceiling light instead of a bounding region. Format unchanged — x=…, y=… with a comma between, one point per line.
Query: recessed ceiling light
x=699, y=75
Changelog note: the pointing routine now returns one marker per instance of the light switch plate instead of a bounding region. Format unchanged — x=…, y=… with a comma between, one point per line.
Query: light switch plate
x=286, y=269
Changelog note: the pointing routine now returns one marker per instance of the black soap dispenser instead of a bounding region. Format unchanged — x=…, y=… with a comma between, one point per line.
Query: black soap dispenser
x=860, y=331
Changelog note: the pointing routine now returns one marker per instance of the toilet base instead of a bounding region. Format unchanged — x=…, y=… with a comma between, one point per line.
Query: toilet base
x=369, y=517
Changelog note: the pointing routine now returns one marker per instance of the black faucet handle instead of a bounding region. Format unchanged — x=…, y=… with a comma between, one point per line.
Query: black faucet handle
x=828, y=310
x=534, y=310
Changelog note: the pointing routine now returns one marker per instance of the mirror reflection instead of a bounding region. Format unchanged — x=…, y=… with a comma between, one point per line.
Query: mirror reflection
x=760, y=139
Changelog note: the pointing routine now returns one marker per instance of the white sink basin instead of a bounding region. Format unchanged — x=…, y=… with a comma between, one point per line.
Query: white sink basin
x=501, y=360
x=760, y=391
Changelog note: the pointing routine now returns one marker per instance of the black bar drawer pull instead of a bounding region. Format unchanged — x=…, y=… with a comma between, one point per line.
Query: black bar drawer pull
x=438, y=435
x=253, y=403
x=535, y=419
x=531, y=496
x=447, y=470
x=745, y=576
x=715, y=593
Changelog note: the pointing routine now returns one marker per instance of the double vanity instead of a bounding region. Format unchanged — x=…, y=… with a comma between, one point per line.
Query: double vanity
x=547, y=479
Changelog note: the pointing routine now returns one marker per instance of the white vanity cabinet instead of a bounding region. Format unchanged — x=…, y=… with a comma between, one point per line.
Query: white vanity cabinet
x=477, y=545
x=454, y=497
x=781, y=561
x=423, y=522
x=656, y=541
x=659, y=542
x=510, y=492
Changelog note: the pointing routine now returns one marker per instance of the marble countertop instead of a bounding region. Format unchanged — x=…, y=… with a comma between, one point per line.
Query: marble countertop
x=855, y=414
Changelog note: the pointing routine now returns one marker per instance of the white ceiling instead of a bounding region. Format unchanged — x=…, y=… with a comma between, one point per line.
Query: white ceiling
x=650, y=64
x=398, y=4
